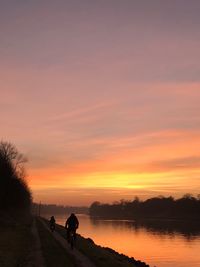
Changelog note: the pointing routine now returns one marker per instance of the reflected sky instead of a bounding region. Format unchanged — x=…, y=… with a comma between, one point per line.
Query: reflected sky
x=156, y=245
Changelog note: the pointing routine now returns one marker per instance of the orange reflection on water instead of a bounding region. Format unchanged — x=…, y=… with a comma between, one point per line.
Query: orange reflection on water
x=160, y=248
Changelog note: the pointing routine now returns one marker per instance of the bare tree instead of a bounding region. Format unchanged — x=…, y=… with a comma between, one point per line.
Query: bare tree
x=10, y=155
x=14, y=191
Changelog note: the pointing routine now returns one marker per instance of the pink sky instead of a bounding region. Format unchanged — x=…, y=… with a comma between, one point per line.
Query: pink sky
x=102, y=97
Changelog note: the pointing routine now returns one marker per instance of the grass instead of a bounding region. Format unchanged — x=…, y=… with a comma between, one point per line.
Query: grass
x=101, y=257
x=54, y=254
x=15, y=245
x=16, y=242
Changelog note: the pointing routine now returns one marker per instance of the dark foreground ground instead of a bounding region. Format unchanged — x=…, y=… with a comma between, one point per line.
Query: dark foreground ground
x=31, y=244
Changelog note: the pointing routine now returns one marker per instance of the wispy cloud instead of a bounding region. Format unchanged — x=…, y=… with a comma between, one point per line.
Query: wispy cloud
x=102, y=93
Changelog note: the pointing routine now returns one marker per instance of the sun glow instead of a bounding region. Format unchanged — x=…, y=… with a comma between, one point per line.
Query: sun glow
x=97, y=110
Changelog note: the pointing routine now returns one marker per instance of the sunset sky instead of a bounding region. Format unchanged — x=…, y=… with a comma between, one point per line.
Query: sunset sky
x=102, y=96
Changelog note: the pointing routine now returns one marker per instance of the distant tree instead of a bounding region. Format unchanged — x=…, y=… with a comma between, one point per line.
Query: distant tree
x=187, y=207
x=136, y=199
x=188, y=196
x=14, y=192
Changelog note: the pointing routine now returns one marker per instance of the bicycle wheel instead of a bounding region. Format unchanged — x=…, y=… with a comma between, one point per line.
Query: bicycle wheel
x=72, y=240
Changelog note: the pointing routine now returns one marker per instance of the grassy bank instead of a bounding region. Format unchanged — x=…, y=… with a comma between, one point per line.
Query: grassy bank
x=15, y=244
x=54, y=254
x=101, y=257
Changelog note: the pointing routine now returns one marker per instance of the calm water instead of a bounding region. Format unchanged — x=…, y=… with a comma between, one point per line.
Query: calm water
x=159, y=246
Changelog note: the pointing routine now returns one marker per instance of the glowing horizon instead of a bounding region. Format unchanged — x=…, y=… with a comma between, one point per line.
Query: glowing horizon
x=103, y=99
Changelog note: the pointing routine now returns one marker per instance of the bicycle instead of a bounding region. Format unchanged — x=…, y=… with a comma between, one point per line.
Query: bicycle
x=52, y=227
x=71, y=238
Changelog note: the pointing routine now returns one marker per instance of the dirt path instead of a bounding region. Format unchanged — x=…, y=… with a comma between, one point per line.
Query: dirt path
x=36, y=257
x=80, y=258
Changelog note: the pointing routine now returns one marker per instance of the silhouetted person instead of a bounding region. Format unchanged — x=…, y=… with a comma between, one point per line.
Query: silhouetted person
x=71, y=225
x=52, y=223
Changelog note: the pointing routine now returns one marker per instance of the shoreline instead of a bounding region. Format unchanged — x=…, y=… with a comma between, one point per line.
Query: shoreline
x=101, y=254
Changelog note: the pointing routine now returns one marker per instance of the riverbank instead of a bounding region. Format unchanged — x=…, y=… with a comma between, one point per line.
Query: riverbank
x=15, y=243
x=31, y=244
x=101, y=256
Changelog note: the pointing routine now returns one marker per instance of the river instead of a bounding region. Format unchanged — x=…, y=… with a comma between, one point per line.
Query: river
x=162, y=245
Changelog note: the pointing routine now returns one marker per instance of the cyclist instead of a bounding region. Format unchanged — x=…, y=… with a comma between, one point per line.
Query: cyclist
x=71, y=225
x=52, y=223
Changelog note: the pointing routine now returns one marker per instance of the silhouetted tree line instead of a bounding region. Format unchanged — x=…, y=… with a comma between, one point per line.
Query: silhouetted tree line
x=158, y=207
x=15, y=195
x=56, y=209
